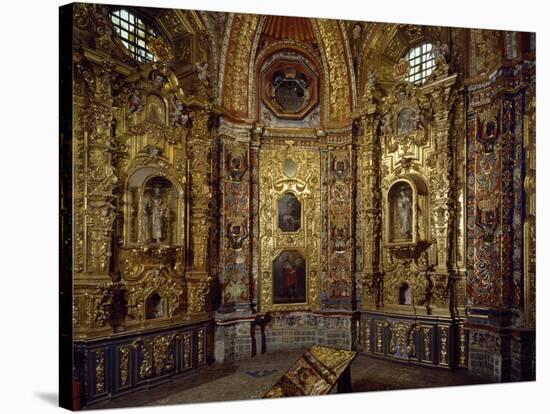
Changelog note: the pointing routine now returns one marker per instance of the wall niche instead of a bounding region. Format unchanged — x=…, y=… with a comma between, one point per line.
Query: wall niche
x=154, y=209
x=407, y=216
x=154, y=306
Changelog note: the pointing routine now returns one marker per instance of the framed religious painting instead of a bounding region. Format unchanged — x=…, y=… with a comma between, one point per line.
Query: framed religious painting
x=289, y=278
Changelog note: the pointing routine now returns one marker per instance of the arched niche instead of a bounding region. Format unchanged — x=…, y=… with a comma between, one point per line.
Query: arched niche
x=155, y=306
x=154, y=209
x=407, y=211
x=405, y=294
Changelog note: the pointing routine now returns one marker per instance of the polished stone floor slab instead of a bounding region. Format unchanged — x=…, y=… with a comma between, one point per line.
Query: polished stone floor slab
x=251, y=378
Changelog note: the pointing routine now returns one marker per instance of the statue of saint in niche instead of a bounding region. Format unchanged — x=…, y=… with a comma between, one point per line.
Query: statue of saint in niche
x=403, y=212
x=155, y=214
x=154, y=307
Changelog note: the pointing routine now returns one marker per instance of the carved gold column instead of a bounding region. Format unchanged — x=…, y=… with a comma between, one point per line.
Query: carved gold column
x=369, y=209
x=94, y=202
x=442, y=184
x=198, y=276
x=339, y=289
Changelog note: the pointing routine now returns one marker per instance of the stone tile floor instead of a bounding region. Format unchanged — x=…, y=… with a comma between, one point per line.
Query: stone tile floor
x=251, y=378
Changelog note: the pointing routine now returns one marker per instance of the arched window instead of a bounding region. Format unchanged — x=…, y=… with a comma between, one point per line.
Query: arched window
x=134, y=33
x=422, y=61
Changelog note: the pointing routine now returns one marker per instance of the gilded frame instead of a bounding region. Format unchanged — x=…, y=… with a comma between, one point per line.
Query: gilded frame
x=306, y=187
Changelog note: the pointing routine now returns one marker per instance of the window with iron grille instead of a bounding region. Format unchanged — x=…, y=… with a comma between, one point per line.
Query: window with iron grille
x=422, y=61
x=134, y=33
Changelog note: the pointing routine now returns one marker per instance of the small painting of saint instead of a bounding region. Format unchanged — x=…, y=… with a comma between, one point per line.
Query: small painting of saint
x=406, y=121
x=290, y=213
x=289, y=278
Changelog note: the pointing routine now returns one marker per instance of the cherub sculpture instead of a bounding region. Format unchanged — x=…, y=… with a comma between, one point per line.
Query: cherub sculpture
x=202, y=71
x=180, y=116
x=135, y=101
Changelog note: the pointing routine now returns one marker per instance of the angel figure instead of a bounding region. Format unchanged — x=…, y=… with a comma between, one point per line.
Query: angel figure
x=157, y=78
x=135, y=101
x=440, y=51
x=179, y=116
x=202, y=71
x=371, y=80
x=385, y=126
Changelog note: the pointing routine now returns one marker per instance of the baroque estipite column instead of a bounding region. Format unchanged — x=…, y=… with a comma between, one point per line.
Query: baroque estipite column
x=369, y=206
x=198, y=276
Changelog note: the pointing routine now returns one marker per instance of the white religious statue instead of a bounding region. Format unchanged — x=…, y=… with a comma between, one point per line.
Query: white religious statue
x=404, y=212
x=408, y=296
x=155, y=212
x=135, y=101
x=179, y=116
x=385, y=125
x=202, y=71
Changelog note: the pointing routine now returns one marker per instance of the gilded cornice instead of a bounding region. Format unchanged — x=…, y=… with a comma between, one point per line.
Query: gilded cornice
x=238, y=132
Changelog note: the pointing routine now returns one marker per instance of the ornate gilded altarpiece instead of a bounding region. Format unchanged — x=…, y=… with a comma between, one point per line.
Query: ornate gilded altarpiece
x=234, y=184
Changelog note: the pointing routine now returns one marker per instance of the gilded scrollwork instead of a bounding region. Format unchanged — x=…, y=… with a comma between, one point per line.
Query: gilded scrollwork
x=426, y=337
x=238, y=55
x=198, y=296
x=379, y=336
x=76, y=312
x=157, y=280
x=366, y=335
x=462, y=352
x=101, y=304
x=187, y=349
x=157, y=355
x=339, y=98
x=201, y=347
x=124, y=365
x=100, y=372
x=443, y=346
